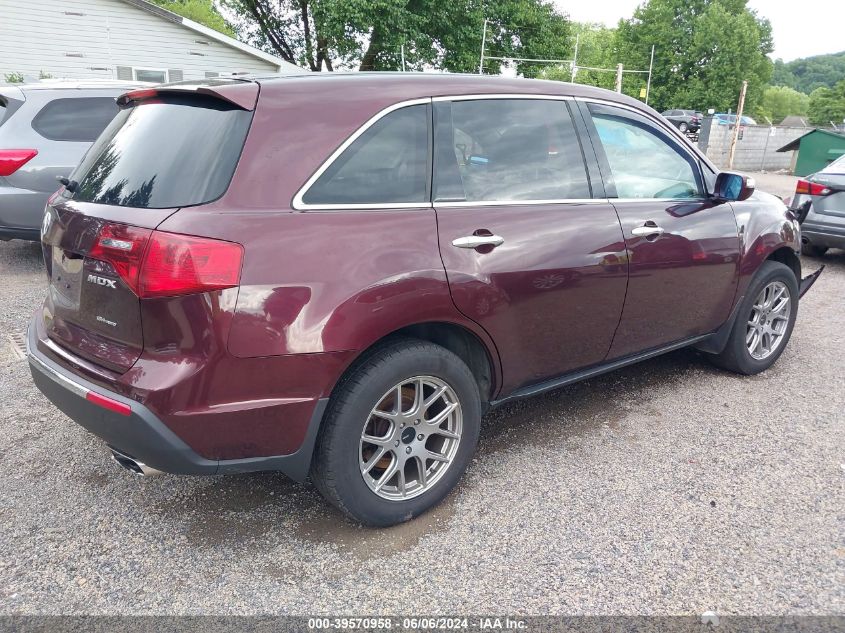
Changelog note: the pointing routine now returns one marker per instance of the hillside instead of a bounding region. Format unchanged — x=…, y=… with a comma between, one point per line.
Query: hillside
x=808, y=73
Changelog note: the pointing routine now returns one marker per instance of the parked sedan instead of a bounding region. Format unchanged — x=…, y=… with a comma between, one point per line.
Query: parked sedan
x=730, y=119
x=45, y=129
x=819, y=203
x=684, y=120
x=342, y=292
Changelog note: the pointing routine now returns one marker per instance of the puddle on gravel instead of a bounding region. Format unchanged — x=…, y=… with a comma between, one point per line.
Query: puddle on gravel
x=264, y=508
x=231, y=510
x=332, y=528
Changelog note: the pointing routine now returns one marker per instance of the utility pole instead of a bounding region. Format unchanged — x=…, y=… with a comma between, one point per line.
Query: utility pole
x=739, y=110
x=619, y=78
x=402, y=50
x=650, y=66
x=575, y=59
x=483, y=42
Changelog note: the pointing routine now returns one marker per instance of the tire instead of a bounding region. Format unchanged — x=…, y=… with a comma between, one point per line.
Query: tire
x=813, y=251
x=683, y=127
x=736, y=356
x=395, y=372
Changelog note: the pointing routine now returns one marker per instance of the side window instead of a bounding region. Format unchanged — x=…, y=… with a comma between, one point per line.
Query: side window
x=78, y=120
x=644, y=162
x=151, y=75
x=507, y=149
x=387, y=164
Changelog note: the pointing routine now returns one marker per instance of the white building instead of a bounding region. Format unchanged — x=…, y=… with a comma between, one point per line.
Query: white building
x=118, y=39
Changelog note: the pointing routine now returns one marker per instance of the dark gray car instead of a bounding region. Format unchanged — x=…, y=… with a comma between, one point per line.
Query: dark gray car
x=45, y=129
x=820, y=205
x=684, y=120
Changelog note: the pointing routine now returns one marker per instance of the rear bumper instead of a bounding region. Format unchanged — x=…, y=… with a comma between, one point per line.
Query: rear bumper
x=142, y=436
x=822, y=235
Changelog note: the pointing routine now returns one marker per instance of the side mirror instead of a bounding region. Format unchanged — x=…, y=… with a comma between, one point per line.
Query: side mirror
x=731, y=186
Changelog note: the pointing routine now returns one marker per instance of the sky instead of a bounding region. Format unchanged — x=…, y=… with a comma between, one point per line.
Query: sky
x=800, y=29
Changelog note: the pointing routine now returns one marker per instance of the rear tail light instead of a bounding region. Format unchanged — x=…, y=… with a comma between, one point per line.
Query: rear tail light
x=13, y=159
x=812, y=188
x=137, y=95
x=159, y=264
x=123, y=247
x=180, y=264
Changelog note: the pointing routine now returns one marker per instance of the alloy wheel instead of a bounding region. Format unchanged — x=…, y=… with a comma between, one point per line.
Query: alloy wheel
x=768, y=321
x=410, y=438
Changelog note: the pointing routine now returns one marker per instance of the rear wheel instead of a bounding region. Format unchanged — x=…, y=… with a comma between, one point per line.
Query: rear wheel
x=764, y=322
x=683, y=127
x=813, y=251
x=398, y=434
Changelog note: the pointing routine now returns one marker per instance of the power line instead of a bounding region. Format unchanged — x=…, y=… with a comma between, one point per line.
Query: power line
x=619, y=70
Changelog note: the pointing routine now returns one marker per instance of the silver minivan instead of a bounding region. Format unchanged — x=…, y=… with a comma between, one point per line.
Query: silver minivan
x=45, y=129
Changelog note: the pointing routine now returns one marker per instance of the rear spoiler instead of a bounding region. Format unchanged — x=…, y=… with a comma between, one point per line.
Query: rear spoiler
x=243, y=94
x=12, y=98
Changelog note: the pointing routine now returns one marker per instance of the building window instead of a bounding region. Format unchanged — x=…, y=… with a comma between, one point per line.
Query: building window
x=153, y=75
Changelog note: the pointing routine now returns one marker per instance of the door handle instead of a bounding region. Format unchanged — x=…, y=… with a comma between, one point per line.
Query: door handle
x=474, y=241
x=648, y=229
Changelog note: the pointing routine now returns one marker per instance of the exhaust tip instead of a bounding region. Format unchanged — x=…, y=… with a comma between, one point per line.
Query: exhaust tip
x=133, y=465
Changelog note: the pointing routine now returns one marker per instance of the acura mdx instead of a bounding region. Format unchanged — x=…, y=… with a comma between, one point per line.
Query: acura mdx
x=336, y=276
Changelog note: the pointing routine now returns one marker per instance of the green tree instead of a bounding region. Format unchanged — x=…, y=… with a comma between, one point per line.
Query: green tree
x=827, y=105
x=704, y=49
x=779, y=102
x=370, y=34
x=596, y=49
x=782, y=75
x=202, y=11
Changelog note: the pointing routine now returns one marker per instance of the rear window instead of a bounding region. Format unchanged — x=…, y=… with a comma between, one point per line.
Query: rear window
x=164, y=153
x=79, y=119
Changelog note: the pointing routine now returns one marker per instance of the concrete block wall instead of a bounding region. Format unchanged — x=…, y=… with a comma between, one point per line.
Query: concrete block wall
x=755, y=151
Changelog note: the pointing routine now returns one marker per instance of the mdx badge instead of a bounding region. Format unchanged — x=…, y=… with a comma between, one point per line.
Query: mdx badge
x=102, y=281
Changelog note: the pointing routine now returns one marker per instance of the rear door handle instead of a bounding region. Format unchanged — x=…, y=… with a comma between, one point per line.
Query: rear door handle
x=474, y=241
x=648, y=229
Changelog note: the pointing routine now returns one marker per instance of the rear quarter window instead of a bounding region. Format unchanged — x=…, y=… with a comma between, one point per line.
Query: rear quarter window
x=386, y=164
x=167, y=152
x=78, y=119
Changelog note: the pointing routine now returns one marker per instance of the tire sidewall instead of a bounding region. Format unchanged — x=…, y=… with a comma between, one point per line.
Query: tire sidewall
x=769, y=272
x=354, y=409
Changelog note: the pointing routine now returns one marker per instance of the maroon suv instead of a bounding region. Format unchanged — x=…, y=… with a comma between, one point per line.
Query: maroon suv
x=337, y=275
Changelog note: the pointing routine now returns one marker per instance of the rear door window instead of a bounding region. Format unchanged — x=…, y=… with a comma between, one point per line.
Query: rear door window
x=171, y=151
x=387, y=164
x=79, y=119
x=507, y=150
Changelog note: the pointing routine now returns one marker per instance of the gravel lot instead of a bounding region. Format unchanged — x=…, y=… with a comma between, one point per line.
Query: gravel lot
x=666, y=488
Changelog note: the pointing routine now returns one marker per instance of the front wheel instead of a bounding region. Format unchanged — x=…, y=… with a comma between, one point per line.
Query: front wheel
x=683, y=127
x=764, y=322
x=398, y=434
